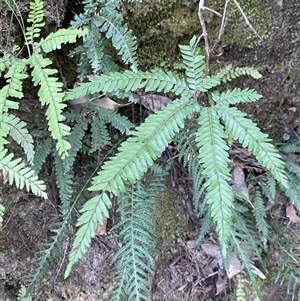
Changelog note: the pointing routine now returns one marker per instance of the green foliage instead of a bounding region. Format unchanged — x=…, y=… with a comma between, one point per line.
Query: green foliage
x=104, y=22
x=22, y=295
x=49, y=93
x=135, y=257
x=207, y=147
x=288, y=272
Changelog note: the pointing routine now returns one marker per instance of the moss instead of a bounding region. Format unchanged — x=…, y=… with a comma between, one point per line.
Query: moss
x=160, y=26
x=169, y=222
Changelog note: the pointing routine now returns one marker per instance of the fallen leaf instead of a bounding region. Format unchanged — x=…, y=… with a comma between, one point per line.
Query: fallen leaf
x=101, y=229
x=291, y=213
x=257, y=271
x=239, y=184
x=152, y=102
x=235, y=266
x=221, y=281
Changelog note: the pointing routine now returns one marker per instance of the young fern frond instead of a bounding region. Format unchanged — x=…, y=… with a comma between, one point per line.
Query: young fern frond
x=194, y=63
x=288, y=148
x=135, y=156
x=100, y=135
x=238, y=240
x=247, y=133
x=215, y=159
x=36, y=16
x=135, y=261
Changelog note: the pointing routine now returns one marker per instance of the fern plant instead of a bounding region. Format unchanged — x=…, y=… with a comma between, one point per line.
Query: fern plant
x=104, y=22
x=219, y=122
x=15, y=71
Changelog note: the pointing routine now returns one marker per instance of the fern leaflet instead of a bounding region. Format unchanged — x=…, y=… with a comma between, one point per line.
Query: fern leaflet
x=214, y=158
x=21, y=175
x=21, y=135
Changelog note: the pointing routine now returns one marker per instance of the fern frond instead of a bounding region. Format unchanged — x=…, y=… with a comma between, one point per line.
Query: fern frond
x=214, y=158
x=288, y=272
x=136, y=208
x=260, y=215
x=194, y=67
x=36, y=16
x=244, y=257
x=21, y=135
x=100, y=135
x=155, y=80
x=135, y=156
x=64, y=35
x=14, y=78
x=236, y=96
x=21, y=175
x=247, y=133
x=50, y=93
x=229, y=73
x=118, y=121
x=293, y=168
x=269, y=188
x=206, y=225
x=110, y=22
x=22, y=295
x=189, y=156
x=41, y=153
x=194, y=63
x=290, y=148
x=293, y=191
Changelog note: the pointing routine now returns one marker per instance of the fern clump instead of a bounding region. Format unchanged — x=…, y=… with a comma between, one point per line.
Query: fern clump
x=208, y=147
x=105, y=25
x=50, y=94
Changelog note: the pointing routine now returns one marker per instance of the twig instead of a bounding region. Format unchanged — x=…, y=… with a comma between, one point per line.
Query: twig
x=204, y=35
x=224, y=20
x=246, y=20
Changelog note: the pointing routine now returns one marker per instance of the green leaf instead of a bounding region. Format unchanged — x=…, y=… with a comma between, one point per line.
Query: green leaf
x=213, y=154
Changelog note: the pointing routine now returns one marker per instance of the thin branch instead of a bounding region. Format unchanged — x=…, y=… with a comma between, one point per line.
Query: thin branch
x=204, y=35
x=246, y=20
x=224, y=20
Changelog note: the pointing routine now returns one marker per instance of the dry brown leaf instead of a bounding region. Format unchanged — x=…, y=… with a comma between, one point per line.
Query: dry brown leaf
x=292, y=214
x=235, y=266
x=257, y=271
x=152, y=102
x=221, y=281
x=101, y=229
x=106, y=102
x=238, y=182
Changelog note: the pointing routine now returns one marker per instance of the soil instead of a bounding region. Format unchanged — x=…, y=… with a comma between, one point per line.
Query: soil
x=182, y=270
